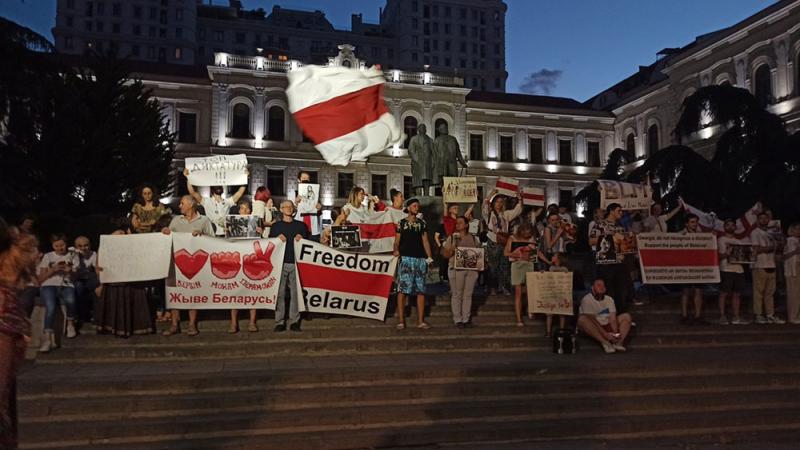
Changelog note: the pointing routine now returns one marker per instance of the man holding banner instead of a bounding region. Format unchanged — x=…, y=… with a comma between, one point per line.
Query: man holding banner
x=287, y=229
x=216, y=207
x=764, y=272
x=694, y=290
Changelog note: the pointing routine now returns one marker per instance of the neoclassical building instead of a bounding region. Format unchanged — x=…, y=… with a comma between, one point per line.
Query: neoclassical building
x=238, y=105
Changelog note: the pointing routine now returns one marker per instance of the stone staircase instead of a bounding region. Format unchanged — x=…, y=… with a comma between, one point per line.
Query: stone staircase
x=347, y=383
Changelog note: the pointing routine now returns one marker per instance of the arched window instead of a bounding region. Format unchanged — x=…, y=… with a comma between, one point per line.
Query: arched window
x=276, y=124
x=240, y=127
x=652, y=139
x=763, y=88
x=410, y=128
x=436, y=124
x=630, y=144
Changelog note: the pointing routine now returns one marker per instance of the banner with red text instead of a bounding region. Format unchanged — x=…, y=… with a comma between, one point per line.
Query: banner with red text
x=335, y=282
x=532, y=196
x=212, y=273
x=675, y=258
x=507, y=186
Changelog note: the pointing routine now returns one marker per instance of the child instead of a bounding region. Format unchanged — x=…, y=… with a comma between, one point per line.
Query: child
x=557, y=264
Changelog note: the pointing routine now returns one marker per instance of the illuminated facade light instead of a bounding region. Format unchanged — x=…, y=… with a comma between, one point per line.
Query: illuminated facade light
x=396, y=76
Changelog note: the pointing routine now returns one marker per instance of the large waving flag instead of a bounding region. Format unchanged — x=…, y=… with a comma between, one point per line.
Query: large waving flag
x=710, y=223
x=342, y=111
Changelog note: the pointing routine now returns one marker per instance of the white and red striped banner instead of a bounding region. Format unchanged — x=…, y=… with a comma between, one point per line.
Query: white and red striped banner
x=377, y=229
x=676, y=258
x=342, y=111
x=711, y=223
x=532, y=196
x=335, y=282
x=507, y=186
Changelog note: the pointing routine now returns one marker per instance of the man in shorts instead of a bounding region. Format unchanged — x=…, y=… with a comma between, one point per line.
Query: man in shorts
x=599, y=320
x=412, y=246
x=732, y=276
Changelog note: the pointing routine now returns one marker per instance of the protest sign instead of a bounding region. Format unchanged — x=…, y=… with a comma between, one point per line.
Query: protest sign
x=741, y=254
x=213, y=273
x=532, y=196
x=550, y=292
x=469, y=258
x=629, y=195
x=309, y=197
x=134, y=257
x=345, y=236
x=507, y=186
x=242, y=227
x=218, y=170
x=460, y=189
x=675, y=258
x=335, y=282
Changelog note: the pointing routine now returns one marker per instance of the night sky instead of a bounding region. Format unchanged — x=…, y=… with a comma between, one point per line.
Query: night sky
x=569, y=48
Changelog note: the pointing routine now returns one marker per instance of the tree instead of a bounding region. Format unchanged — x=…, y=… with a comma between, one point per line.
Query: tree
x=613, y=170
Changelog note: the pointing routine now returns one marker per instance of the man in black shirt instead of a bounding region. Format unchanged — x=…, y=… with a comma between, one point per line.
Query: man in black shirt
x=412, y=246
x=287, y=229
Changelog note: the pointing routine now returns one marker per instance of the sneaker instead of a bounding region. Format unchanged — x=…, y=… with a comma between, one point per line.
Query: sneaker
x=71, y=333
x=723, y=321
x=739, y=321
x=295, y=327
x=619, y=347
x=761, y=319
x=638, y=302
x=505, y=291
x=45, y=347
x=279, y=328
x=608, y=347
x=775, y=319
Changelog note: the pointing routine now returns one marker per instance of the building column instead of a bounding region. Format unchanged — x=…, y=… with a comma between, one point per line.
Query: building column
x=608, y=147
x=640, y=140
x=523, y=152
x=783, y=77
x=551, y=192
x=740, y=66
x=580, y=148
x=427, y=111
x=460, y=128
x=258, y=125
x=221, y=110
x=492, y=144
x=551, y=149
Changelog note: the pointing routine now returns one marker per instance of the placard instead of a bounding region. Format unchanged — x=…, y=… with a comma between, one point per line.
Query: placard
x=676, y=258
x=550, y=292
x=218, y=170
x=532, y=196
x=741, y=254
x=309, y=197
x=242, y=227
x=630, y=196
x=469, y=258
x=345, y=236
x=507, y=186
x=134, y=257
x=460, y=189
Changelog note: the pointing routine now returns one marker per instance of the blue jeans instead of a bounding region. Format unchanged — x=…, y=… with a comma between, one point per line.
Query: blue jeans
x=50, y=296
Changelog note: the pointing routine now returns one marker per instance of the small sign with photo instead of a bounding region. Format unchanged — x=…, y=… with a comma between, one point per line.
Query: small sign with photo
x=468, y=258
x=625, y=243
x=242, y=227
x=345, y=236
x=741, y=254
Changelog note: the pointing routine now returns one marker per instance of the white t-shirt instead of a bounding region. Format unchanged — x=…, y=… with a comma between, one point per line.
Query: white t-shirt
x=762, y=238
x=722, y=245
x=59, y=278
x=601, y=310
x=790, y=265
x=216, y=212
x=655, y=224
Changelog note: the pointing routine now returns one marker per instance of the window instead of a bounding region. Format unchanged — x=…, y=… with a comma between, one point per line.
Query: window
x=462, y=47
x=151, y=32
x=426, y=11
x=435, y=60
x=275, y=182
x=507, y=148
x=497, y=83
x=178, y=53
x=219, y=36
x=447, y=11
x=462, y=30
x=179, y=14
x=153, y=13
x=439, y=122
x=240, y=125
x=475, y=147
x=630, y=144
x=151, y=52
x=408, y=190
x=115, y=28
x=88, y=26
x=414, y=41
x=462, y=63
x=378, y=187
x=763, y=87
x=162, y=33
x=447, y=29
x=163, y=17
x=415, y=6
x=101, y=8
x=344, y=184
x=414, y=57
x=435, y=10
x=68, y=42
x=116, y=10
x=426, y=28
x=162, y=54
x=436, y=44
x=137, y=12
x=564, y=151
x=536, y=147
x=137, y=30
x=435, y=28
x=410, y=128
x=426, y=45
x=135, y=50
x=276, y=124
x=187, y=127
x=447, y=62
x=414, y=24
x=593, y=148
x=71, y=4
x=70, y=21
x=240, y=38
x=463, y=13
x=100, y=27
x=652, y=139
x=179, y=32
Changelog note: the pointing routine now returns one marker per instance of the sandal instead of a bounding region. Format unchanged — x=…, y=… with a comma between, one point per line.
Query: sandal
x=253, y=328
x=401, y=326
x=520, y=324
x=233, y=329
x=174, y=329
x=423, y=326
x=193, y=331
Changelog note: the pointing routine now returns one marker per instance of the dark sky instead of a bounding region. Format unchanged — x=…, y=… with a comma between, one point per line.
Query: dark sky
x=569, y=48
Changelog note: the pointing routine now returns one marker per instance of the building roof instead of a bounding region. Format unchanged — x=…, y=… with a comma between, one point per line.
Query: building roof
x=535, y=101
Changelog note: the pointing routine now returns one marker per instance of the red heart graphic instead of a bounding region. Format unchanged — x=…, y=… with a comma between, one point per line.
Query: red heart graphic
x=225, y=265
x=259, y=264
x=190, y=263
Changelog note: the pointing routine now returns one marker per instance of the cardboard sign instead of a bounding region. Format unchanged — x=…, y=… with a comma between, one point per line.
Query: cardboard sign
x=507, y=186
x=345, y=236
x=550, y=292
x=242, y=227
x=460, y=189
x=309, y=197
x=532, y=196
x=218, y=170
x=134, y=257
x=469, y=258
x=675, y=258
x=630, y=196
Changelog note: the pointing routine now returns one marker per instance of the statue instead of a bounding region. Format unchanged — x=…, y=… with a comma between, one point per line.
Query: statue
x=446, y=154
x=420, y=149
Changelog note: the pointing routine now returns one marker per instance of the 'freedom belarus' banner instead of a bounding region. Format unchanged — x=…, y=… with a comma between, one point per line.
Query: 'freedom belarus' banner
x=212, y=273
x=674, y=258
x=218, y=170
x=335, y=282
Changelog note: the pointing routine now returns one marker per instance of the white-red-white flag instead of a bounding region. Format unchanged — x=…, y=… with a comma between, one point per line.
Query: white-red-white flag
x=507, y=186
x=711, y=223
x=342, y=111
x=532, y=196
x=377, y=229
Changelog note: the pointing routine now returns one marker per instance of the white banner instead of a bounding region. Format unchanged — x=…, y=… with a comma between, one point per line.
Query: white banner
x=460, y=189
x=629, y=195
x=335, y=282
x=134, y=257
x=212, y=273
x=218, y=170
x=676, y=258
x=550, y=292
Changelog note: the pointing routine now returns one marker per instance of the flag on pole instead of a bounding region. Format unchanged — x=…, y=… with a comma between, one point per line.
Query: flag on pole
x=711, y=223
x=532, y=196
x=342, y=111
x=507, y=186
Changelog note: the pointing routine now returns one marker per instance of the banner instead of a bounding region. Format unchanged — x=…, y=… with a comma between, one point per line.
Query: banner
x=630, y=195
x=377, y=229
x=711, y=223
x=550, y=292
x=675, y=258
x=532, y=196
x=134, y=257
x=212, y=273
x=335, y=282
x=507, y=186
x=218, y=170
x=460, y=189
